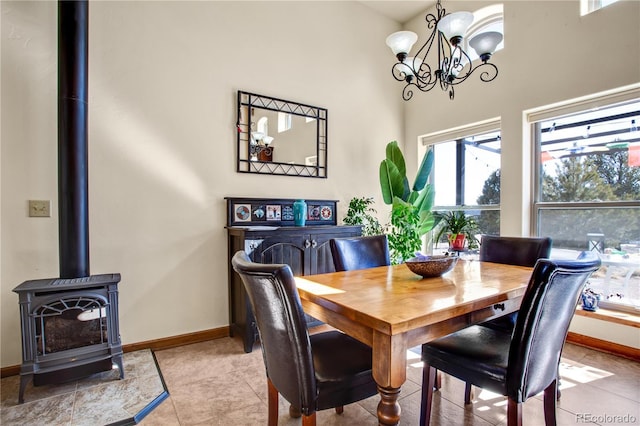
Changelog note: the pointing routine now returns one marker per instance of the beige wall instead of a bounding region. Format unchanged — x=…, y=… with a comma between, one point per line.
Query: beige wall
x=162, y=100
x=163, y=78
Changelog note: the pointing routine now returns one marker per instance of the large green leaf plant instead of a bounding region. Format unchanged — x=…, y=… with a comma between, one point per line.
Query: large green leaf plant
x=411, y=215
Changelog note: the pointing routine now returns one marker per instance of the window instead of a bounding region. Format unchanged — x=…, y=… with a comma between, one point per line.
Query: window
x=263, y=126
x=588, y=190
x=490, y=18
x=466, y=173
x=284, y=122
x=588, y=6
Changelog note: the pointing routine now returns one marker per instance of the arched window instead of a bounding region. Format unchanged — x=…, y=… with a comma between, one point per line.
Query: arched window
x=263, y=126
x=490, y=18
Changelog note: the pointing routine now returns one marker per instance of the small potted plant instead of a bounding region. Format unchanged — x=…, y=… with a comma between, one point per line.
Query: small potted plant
x=361, y=212
x=459, y=229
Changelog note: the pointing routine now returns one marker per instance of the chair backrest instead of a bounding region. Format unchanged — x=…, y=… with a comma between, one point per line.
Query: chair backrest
x=521, y=251
x=282, y=328
x=360, y=252
x=543, y=322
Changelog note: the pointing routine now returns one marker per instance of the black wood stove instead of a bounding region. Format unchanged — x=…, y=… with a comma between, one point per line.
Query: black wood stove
x=69, y=328
x=70, y=324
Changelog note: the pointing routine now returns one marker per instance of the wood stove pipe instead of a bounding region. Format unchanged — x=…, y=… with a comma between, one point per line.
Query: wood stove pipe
x=73, y=179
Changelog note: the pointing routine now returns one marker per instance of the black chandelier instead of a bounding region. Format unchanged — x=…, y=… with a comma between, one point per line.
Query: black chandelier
x=453, y=64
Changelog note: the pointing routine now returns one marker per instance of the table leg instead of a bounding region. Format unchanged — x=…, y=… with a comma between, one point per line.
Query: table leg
x=388, y=407
x=389, y=372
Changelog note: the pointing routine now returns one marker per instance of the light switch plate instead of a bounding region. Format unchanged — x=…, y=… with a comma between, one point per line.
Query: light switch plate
x=39, y=208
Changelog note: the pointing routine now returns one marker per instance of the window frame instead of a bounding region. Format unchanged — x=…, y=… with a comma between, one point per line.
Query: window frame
x=427, y=141
x=533, y=118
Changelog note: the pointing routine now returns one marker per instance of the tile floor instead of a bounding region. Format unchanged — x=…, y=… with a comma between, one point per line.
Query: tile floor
x=216, y=383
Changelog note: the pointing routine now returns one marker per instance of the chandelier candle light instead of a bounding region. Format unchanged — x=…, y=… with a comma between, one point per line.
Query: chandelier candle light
x=454, y=64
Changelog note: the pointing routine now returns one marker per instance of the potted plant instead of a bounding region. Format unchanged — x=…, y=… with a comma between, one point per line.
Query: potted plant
x=459, y=228
x=411, y=215
x=360, y=212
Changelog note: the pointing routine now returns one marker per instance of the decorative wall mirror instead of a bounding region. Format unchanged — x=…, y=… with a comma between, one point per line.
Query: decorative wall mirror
x=278, y=137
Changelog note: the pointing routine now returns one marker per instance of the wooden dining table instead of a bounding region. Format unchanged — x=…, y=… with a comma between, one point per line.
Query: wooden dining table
x=392, y=310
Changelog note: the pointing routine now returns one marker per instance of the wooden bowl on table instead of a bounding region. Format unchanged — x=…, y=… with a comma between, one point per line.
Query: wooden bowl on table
x=431, y=266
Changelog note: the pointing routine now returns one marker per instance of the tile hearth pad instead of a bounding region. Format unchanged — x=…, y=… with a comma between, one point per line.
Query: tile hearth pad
x=98, y=399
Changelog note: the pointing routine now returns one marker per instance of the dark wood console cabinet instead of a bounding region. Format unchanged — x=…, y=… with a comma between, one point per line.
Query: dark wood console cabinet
x=304, y=248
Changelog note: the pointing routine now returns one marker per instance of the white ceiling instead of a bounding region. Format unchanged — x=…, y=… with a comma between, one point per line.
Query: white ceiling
x=400, y=11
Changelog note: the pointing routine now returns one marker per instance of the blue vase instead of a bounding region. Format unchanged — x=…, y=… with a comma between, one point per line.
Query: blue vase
x=299, y=212
x=590, y=301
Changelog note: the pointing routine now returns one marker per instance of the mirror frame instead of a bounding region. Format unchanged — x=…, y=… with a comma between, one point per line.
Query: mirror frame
x=245, y=125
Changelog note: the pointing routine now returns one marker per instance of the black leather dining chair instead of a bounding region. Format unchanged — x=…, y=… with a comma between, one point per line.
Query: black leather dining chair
x=312, y=372
x=521, y=364
x=359, y=252
x=521, y=251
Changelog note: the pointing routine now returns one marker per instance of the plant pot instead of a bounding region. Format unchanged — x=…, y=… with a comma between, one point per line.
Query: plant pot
x=456, y=241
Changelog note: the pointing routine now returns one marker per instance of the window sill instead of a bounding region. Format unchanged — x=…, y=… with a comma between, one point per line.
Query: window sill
x=618, y=317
